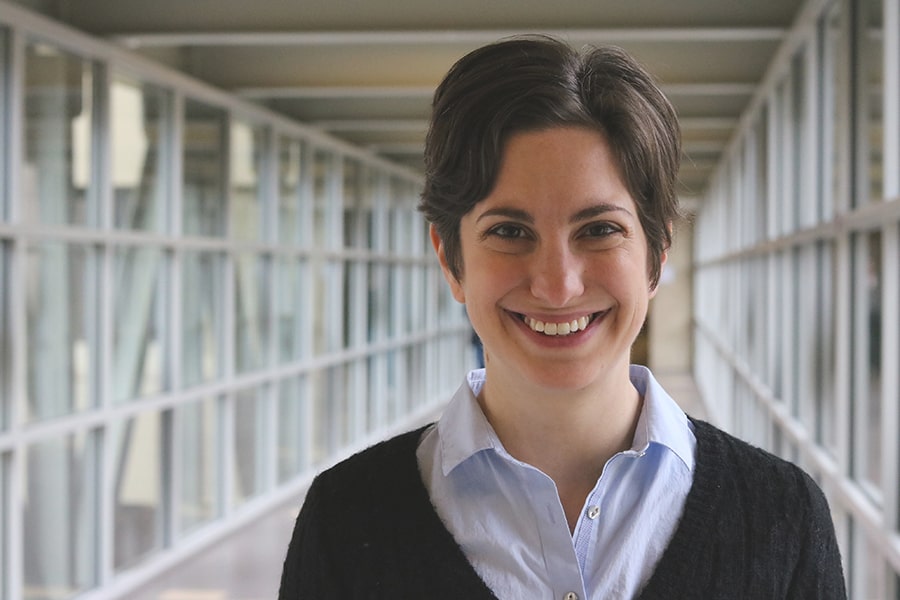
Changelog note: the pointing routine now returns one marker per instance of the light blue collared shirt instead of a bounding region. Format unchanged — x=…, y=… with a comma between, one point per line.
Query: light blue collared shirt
x=507, y=517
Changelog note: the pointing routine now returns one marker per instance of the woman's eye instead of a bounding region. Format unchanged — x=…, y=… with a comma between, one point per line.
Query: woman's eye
x=601, y=230
x=507, y=231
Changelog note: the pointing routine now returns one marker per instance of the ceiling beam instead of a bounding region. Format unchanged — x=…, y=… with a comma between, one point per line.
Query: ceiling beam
x=303, y=92
x=357, y=125
x=327, y=92
x=398, y=148
x=431, y=37
x=703, y=147
x=699, y=147
x=709, y=89
x=704, y=123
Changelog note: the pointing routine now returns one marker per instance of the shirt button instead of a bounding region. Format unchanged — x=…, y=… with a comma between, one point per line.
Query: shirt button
x=593, y=512
x=571, y=596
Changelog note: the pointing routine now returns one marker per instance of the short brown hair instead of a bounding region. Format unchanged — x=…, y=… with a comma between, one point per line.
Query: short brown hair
x=534, y=83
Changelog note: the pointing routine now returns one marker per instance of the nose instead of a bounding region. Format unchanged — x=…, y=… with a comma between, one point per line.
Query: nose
x=556, y=274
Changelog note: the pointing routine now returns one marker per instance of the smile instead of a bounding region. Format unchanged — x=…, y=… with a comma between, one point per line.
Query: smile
x=555, y=329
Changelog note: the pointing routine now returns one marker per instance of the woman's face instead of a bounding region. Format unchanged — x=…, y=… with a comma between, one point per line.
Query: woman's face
x=555, y=270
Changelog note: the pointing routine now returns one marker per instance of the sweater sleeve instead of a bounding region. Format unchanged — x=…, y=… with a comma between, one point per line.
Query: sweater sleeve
x=308, y=570
x=818, y=573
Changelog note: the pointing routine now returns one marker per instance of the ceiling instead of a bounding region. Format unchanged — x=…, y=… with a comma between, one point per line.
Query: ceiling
x=365, y=70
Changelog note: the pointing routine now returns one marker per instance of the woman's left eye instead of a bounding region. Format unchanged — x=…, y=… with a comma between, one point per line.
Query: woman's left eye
x=601, y=229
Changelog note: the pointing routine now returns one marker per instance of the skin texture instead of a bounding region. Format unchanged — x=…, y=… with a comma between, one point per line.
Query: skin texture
x=557, y=239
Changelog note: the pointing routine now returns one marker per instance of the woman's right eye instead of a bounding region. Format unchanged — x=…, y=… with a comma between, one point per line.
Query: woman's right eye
x=507, y=231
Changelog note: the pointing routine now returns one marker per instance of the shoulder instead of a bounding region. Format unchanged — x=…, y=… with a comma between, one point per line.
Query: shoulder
x=363, y=496
x=754, y=526
x=758, y=479
x=389, y=466
x=719, y=449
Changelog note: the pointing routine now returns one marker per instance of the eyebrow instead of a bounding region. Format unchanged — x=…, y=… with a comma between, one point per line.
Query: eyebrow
x=584, y=214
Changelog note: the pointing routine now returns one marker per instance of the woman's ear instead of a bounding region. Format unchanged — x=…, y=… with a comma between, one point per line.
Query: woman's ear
x=663, y=257
x=455, y=284
x=662, y=265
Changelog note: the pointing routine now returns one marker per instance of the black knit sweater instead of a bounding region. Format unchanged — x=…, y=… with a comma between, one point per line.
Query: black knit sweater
x=753, y=527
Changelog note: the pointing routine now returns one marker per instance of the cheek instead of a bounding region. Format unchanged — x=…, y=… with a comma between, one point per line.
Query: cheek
x=493, y=276
x=626, y=280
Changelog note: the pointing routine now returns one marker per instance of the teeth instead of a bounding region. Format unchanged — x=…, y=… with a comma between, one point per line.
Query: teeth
x=559, y=328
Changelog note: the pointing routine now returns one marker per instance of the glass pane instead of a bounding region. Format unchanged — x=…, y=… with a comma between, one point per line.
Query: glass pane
x=5, y=340
x=801, y=214
x=866, y=357
x=59, y=545
x=869, y=400
x=358, y=205
x=138, y=115
x=60, y=304
x=874, y=69
x=324, y=201
x=203, y=291
x=289, y=197
x=375, y=385
x=197, y=435
x=833, y=110
x=349, y=291
x=379, y=307
x=137, y=488
x=402, y=212
x=329, y=309
x=138, y=368
x=401, y=291
x=249, y=437
x=247, y=210
x=396, y=384
x=4, y=511
x=292, y=427
x=329, y=412
x=4, y=124
x=253, y=312
x=761, y=180
x=58, y=126
x=290, y=307
x=417, y=383
x=419, y=303
x=827, y=430
x=203, y=199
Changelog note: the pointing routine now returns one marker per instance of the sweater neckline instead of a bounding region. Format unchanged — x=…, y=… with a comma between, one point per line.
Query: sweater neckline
x=677, y=559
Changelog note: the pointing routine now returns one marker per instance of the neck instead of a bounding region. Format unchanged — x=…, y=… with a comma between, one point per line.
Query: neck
x=569, y=435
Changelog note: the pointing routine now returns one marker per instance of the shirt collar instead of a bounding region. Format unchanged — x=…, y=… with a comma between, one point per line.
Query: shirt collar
x=661, y=421
x=464, y=430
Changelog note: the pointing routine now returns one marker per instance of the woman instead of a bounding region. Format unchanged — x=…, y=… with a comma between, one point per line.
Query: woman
x=559, y=470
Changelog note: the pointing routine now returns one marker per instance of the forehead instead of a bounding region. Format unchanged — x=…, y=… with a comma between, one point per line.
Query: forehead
x=560, y=165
